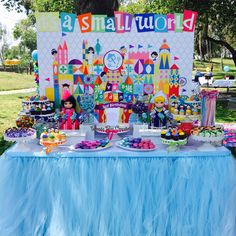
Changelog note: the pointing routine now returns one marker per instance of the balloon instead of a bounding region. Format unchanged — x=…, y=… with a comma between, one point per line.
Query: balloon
x=35, y=55
x=226, y=68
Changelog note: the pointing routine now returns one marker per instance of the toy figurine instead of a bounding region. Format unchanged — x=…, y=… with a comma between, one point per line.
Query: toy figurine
x=195, y=111
x=172, y=109
x=159, y=114
x=181, y=111
x=68, y=113
x=43, y=107
x=176, y=110
x=188, y=111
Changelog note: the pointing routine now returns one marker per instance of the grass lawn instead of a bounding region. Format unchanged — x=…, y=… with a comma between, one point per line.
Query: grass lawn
x=217, y=72
x=9, y=107
x=14, y=81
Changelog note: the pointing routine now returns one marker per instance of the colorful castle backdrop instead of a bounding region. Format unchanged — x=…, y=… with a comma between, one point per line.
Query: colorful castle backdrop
x=119, y=76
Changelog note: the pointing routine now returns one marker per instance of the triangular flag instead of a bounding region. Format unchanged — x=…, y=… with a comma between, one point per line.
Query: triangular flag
x=86, y=72
x=63, y=34
x=131, y=46
x=47, y=79
x=176, y=58
x=184, y=90
x=149, y=46
x=140, y=46
x=128, y=81
x=98, y=80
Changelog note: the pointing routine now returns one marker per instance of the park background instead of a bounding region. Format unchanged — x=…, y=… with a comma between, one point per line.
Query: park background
x=214, y=47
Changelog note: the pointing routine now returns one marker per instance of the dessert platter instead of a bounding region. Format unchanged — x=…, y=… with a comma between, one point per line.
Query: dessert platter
x=209, y=136
x=174, y=138
x=92, y=145
x=37, y=106
x=52, y=138
x=19, y=134
x=136, y=144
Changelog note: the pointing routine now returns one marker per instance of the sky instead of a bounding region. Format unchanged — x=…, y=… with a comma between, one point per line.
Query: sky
x=9, y=19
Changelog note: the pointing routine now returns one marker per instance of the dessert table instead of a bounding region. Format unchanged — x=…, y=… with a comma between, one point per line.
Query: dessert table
x=117, y=192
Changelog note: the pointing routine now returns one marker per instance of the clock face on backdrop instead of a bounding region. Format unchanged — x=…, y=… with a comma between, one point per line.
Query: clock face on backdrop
x=113, y=60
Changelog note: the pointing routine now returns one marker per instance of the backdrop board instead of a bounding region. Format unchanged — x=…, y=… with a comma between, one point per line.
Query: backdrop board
x=144, y=54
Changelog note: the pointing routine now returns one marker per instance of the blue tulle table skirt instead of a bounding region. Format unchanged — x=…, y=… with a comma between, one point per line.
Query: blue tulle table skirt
x=118, y=196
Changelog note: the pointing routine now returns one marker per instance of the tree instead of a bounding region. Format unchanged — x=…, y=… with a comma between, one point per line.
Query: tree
x=76, y=6
x=25, y=31
x=216, y=21
x=18, y=5
x=3, y=44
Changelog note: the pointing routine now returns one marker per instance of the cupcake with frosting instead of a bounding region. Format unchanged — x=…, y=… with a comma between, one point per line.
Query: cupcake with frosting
x=163, y=133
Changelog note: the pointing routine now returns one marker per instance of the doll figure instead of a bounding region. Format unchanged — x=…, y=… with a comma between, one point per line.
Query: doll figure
x=159, y=113
x=181, y=111
x=43, y=107
x=68, y=113
x=188, y=111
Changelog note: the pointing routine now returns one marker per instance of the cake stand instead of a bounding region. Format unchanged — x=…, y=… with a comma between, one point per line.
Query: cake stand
x=22, y=141
x=208, y=143
x=174, y=145
x=50, y=145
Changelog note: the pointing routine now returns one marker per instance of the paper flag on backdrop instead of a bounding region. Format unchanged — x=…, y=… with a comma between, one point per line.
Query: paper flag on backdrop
x=67, y=22
x=47, y=21
x=63, y=34
x=140, y=46
x=176, y=58
x=47, y=79
x=131, y=46
x=184, y=90
x=149, y=46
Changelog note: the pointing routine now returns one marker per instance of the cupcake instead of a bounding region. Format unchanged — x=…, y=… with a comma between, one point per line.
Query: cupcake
x=51, y=138
x=58, y=136
x=182, y=135
x=176, y=137
x=163, y=133
x=44, y=137
x=168, y=135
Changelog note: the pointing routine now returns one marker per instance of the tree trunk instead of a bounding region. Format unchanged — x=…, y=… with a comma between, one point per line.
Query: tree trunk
x=106, y=7
x=226, y=45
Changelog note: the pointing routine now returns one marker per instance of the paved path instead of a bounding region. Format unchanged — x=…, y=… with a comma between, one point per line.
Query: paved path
x=18, y=91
